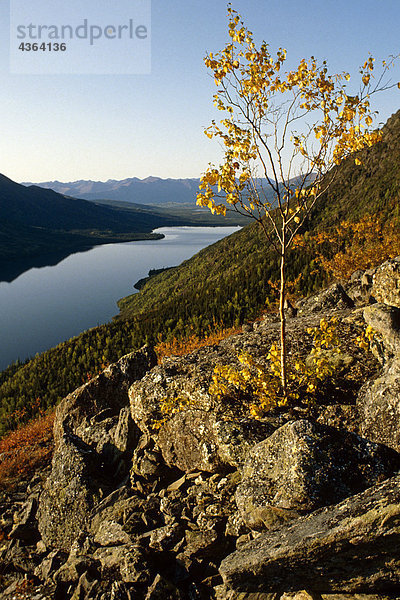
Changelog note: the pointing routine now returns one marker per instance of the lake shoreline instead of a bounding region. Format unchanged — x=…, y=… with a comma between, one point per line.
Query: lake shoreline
x=49, y=304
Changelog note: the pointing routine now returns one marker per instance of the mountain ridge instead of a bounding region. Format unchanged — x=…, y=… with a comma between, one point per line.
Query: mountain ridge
x=154, y=191
x=35, y=220
x=131, y=189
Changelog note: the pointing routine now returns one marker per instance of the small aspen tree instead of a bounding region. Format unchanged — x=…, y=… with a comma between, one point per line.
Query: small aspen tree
x=282, y=133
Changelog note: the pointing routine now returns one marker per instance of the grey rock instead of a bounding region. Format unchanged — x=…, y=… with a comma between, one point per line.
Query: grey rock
x=50, y=564
x=386, y=283
x=334, y=297
x=126, y=563
x=352, y=547
x=340, y=416
x=200, y=543
x=305, y=465
x=385, y=321
x=186, y=440
x=196, y=437
x=111, y=533
x=235, y=438
x=379, y=407
x=359, y=287
x=166, y=537
x=94, y=409
x=71, y=571
x=76, y=484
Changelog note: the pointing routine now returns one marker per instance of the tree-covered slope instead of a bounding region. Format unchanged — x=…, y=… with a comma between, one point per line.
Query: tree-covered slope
x=231, y=277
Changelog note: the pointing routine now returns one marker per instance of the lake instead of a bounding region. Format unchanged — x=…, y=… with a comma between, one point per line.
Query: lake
x=45, y=306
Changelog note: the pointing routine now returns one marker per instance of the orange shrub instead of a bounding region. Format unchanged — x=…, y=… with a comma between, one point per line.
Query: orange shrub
x=182, y=346
x=352, y=246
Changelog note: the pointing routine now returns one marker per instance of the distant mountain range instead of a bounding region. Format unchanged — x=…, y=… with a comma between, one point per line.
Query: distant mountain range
x=152, y=190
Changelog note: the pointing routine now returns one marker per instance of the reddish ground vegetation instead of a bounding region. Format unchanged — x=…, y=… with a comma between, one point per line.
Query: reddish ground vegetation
x=24, y=450
x=182, y=346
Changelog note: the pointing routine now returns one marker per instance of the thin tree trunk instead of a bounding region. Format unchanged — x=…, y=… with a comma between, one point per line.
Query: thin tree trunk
x=283, y=319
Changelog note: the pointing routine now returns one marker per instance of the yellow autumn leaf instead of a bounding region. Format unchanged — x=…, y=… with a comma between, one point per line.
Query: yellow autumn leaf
x=357, y=161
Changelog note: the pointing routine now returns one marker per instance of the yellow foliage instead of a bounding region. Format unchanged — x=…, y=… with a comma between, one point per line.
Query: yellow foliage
x=260, y=387
x=257, y=94
x=169, y=406
x=365, y=339
x=256, y=388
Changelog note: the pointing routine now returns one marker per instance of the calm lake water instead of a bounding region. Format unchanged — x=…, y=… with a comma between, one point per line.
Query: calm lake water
x=45, y=306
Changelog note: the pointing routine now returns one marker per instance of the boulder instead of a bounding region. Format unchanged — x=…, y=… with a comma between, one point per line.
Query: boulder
x=95, y=439
x=77, y=482
x=303, y=466
x=352, y=547
x=193, y=437
x=379, y=407
x=124, y=563
x=165, y=538
x=385, y=321
x=386, y=283
x=332, y=298
x=111, y=533
x=93, y=411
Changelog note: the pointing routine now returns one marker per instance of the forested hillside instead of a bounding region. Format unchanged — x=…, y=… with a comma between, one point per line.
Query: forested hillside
x=226, y=283
x=230, y=279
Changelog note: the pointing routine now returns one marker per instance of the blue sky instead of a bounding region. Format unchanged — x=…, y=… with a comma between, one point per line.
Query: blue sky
x=70, y=127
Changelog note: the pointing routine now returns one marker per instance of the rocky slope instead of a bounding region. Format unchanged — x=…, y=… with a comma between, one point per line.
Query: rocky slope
x=209, y=503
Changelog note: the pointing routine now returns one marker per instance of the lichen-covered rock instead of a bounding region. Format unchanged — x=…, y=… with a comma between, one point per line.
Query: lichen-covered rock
x=359, y=287
x=340, y=416
x=379, y=407
x=76, y=483
x=305, y=465
x=386, y=283
x=333, y=297
x=125, y=563
x=351, y=547
x=94, y=409
x=195, y=437
x=188, y=442
x=164, y=538
x=111, y=533
x=235, y=438
x=385, y=321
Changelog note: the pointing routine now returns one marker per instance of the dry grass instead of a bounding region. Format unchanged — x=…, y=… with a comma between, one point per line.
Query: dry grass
x=182, y=346
x=26, y=449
